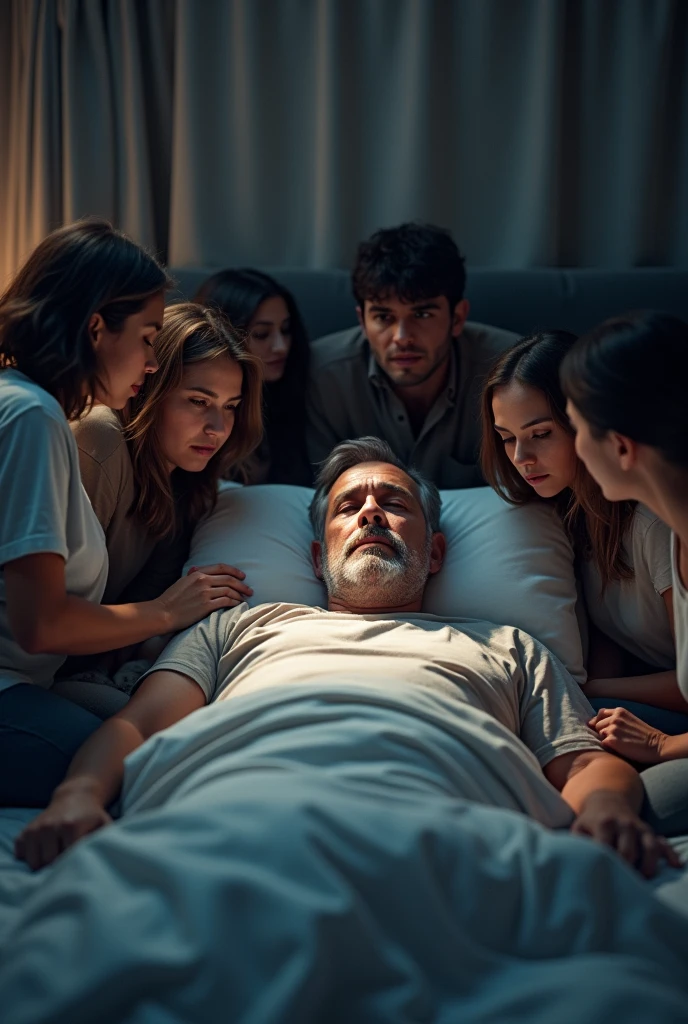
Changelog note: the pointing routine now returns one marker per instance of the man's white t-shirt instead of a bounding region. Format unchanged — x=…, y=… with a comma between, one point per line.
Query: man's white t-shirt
x=43, y=508
x=501, y=672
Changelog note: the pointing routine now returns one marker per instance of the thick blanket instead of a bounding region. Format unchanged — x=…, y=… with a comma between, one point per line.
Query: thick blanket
x=286, y=858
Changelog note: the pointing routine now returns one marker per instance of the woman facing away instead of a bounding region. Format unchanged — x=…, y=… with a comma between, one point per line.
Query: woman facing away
x=626, y=387
x=266, y=311
x=77, y=325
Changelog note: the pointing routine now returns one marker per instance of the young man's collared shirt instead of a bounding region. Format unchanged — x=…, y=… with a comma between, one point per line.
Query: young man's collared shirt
x=350, y=396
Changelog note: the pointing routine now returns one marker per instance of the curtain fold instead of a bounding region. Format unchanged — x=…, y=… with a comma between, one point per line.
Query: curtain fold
x=281, y=132
x=88, y=100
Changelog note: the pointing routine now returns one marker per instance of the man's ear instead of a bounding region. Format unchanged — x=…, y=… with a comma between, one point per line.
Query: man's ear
x=316, y=558
x=625, y=450
x=438, y=549
x=460, y=315
x=96, y=326
x=361, y=319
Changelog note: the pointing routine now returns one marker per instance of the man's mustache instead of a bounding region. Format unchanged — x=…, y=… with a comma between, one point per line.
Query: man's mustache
x=372, y=531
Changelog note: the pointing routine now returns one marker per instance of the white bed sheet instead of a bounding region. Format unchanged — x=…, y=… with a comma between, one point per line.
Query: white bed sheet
x=251, y=886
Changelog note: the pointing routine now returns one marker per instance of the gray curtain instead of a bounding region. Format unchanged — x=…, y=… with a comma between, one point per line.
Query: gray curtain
x=87, y=92
x=543, y=132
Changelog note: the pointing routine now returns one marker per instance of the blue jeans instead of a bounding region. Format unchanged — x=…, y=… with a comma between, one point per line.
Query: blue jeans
x=40, y=733
x=665, y=807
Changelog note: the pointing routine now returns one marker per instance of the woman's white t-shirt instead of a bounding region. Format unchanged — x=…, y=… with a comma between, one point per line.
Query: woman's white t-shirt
x=632, y=612
x=43, y=508
x=680, y=596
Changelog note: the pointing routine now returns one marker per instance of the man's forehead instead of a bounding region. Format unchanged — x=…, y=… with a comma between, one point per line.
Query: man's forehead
x=371, y=478
x=390, y=300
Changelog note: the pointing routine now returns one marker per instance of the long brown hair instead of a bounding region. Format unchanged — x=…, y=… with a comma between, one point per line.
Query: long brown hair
x=190, y=334
x=597, y=527
x=84, y=268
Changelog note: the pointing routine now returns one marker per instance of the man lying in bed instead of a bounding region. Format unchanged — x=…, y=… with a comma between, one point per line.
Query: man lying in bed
x=502, y=694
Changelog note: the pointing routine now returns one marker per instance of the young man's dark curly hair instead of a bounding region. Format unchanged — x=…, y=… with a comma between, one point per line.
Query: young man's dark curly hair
x=412, y=262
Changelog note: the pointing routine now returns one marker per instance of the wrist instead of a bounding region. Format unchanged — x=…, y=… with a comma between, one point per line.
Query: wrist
x=79, y=785
x=671, y=747
x=163, y=617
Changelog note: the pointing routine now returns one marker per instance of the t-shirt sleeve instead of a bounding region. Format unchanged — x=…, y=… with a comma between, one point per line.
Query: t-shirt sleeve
x=657, y=554
x=196, y=652
x=554, y=711
x=35, y=473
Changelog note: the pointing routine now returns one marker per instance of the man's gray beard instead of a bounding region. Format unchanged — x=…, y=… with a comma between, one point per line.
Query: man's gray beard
x=377, y=577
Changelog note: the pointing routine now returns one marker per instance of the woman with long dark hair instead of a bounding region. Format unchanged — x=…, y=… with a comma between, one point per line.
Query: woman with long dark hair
x=622, y=548
x=626, y=387
x=77, y=326
x=266, y=311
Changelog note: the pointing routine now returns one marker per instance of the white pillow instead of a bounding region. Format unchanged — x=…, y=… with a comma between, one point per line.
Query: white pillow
x=512, y=566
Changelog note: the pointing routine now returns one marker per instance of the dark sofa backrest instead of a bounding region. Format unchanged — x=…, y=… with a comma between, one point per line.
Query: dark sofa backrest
x=518, y=300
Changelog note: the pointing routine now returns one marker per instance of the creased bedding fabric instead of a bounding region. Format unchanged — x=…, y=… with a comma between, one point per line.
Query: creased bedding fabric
x=295, y=858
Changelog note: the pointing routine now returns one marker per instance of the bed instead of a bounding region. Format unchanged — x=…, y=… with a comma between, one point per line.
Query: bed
x=253, y=877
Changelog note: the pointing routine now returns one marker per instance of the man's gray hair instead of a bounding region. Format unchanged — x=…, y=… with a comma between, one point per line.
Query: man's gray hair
x=348, y=454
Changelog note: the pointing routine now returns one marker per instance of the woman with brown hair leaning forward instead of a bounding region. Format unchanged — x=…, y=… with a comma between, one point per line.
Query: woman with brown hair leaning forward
x=77, y=325
x=153, y=472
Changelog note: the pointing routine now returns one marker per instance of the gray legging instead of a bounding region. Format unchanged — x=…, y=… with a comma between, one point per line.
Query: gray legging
x=666, y=785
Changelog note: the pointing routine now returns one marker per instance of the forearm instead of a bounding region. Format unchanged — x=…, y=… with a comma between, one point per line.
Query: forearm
x=82, y=627
x=98, y=767
x=658, y=688
x=603, y=773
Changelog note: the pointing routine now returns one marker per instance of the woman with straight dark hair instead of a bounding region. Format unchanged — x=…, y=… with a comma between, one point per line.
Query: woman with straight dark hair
x=77, y=326
x=626, y=387
x=622, y=549
x=266, y=311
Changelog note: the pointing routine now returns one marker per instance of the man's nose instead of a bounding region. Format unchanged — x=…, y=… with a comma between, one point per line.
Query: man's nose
x=371, y=514
x=403, y=332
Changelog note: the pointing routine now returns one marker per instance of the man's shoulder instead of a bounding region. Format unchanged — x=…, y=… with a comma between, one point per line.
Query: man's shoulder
x=339, y=350
x=486, y=342
x=259, y=614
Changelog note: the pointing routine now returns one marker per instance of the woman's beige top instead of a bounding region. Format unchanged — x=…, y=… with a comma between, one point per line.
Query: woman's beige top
x=107, y=474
